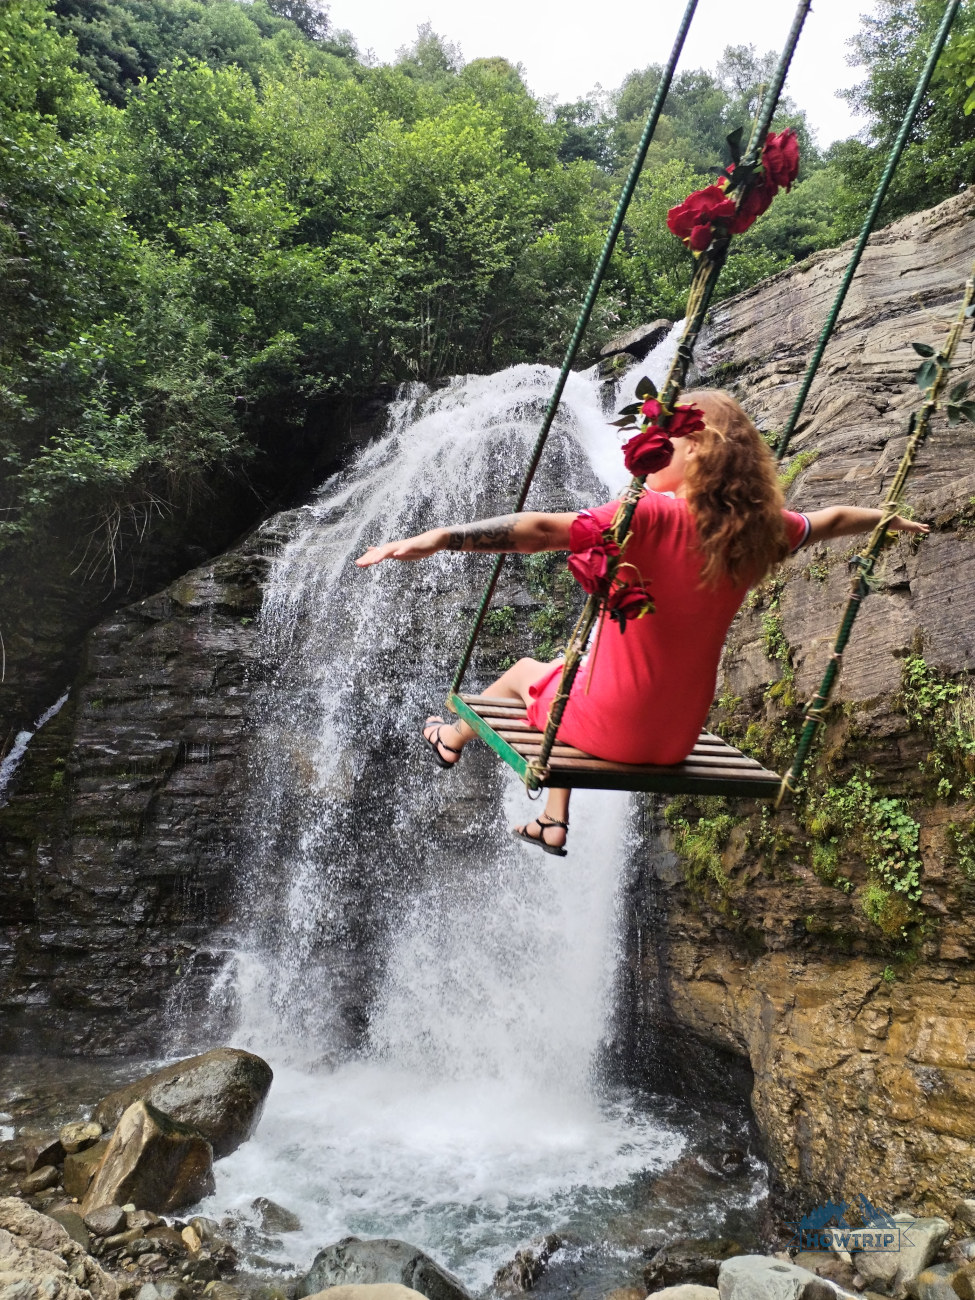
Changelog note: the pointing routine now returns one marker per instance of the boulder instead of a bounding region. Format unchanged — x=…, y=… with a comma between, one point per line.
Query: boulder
x=889, y=1271
x=79, y=1136
x=79, y=1169
x=368, y=1291
x=528, y=1265
x=220, y=1094
x=39, y=1260
x=689, y=1260
x=383, y=1259
x=756, y=1277
x=274, y=1217
x=153, y=1163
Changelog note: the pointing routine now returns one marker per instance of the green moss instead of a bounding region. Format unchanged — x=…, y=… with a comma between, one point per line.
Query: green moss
x=944, y=710
x=550, y=582
x=701, y=829
x=500, y=622
x=795, y=467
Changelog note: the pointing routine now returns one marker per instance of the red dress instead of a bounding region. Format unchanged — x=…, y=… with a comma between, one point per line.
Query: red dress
x=652, y=684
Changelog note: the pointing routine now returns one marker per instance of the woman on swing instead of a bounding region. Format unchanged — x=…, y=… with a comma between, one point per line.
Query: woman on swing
x=710, y=525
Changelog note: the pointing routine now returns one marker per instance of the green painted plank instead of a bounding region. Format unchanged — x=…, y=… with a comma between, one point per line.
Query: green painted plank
x=501, y=747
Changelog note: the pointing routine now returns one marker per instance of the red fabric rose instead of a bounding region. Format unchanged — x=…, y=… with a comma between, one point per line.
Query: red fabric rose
x=590, y=568
x=692, y=221
x=591, y=554
x=757, y=199
x=626, y=603
x=648, y=451
x=780, y=158
x=684, y=420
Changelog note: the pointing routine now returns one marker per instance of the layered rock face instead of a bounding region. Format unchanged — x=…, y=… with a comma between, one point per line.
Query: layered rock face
x=116, y=855
x=831, y=944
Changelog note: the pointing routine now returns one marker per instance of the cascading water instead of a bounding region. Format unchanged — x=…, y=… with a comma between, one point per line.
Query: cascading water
x=433, y=995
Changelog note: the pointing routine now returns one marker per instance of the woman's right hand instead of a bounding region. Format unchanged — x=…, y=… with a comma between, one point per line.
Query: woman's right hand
x=407, y=548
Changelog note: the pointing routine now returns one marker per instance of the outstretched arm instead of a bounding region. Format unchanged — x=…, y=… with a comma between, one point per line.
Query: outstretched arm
x=846, y=521
x=524, y=533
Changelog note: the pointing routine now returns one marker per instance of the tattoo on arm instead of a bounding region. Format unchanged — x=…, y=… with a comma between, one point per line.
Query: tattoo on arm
x=496, y=535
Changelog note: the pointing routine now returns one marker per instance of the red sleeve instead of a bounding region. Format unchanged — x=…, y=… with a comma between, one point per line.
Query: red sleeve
x=644, y=516
x=602, y=516
x=797, y=528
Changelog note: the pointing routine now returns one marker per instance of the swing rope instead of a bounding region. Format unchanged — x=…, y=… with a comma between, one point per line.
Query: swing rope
x=872, y=213
x=656, y=108
x=699, y=300
x=815, y=711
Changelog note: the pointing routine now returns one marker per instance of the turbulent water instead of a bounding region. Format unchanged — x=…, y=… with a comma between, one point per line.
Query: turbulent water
x=435, y=997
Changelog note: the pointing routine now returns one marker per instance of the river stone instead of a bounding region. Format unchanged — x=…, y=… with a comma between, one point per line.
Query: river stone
x=106, y=1220
x=383, y=1259
x=79, y=1136
x=756, y=1277
x=39, y=1260
x=965, y=1213
x=935, y=1282
x=40, y=1180
x=47, y=1152
x=523, y=1272
x=152, y=1162
x=220, y=1094
x=963, y=1282
x=368, y=1291
x=79, y=1169
x=689, y=1260
x=890, y=1270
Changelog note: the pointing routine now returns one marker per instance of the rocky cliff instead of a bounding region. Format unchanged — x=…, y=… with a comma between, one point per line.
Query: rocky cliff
x=831, y=944
x=827, y=948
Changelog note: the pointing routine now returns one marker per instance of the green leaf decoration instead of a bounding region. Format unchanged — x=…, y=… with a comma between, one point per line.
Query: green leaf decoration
x=923, y=349
x=632, y=409
x=954, y=414
x=927, y=373
x=734, y=144
x=625, y=423
x=970, y=309
x=646, y=388
x=967, y=410
x=959, y=391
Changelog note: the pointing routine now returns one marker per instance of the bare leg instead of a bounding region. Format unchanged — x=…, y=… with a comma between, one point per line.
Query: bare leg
x=513, y=683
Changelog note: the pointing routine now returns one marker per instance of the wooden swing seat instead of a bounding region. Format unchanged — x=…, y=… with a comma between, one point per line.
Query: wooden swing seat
x=714, y=766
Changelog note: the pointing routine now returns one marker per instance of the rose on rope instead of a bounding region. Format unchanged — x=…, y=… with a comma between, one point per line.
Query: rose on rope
x=594, y=562
x=694, y=220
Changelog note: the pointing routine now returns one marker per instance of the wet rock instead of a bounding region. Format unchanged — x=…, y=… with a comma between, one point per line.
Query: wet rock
x=689, y=1260
x=167, y=1238
x=79, y=1136
x=141, y=1219
x=40, y=1180
x=890, y=1270
x=756, y=1277
x=79, y=1169
x=274, y=1217
x=73, y=1224
x=119, y=1239
x=220, y=1094
x=153, y=1162
x=106, y=1220
x=164, y=1290
x=965, y=1213
x=383, y=1259
x=40, y=1261
x=528, y=1265
x=963, y=1282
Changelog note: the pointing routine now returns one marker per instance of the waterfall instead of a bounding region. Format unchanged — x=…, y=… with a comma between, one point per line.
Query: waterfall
x=432, y=994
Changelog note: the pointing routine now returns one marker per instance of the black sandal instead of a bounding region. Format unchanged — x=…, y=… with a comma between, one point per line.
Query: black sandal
x=436, y=744
x=539, y=840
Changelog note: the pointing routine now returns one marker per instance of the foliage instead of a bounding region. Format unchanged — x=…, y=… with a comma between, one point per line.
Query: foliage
x=701, y=829
x=945, y=711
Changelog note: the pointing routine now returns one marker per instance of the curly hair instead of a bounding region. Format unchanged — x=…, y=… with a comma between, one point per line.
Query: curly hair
x=734, y=494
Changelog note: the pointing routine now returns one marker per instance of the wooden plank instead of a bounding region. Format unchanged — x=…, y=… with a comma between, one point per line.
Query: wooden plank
x=719, y=767
x=686, y=769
